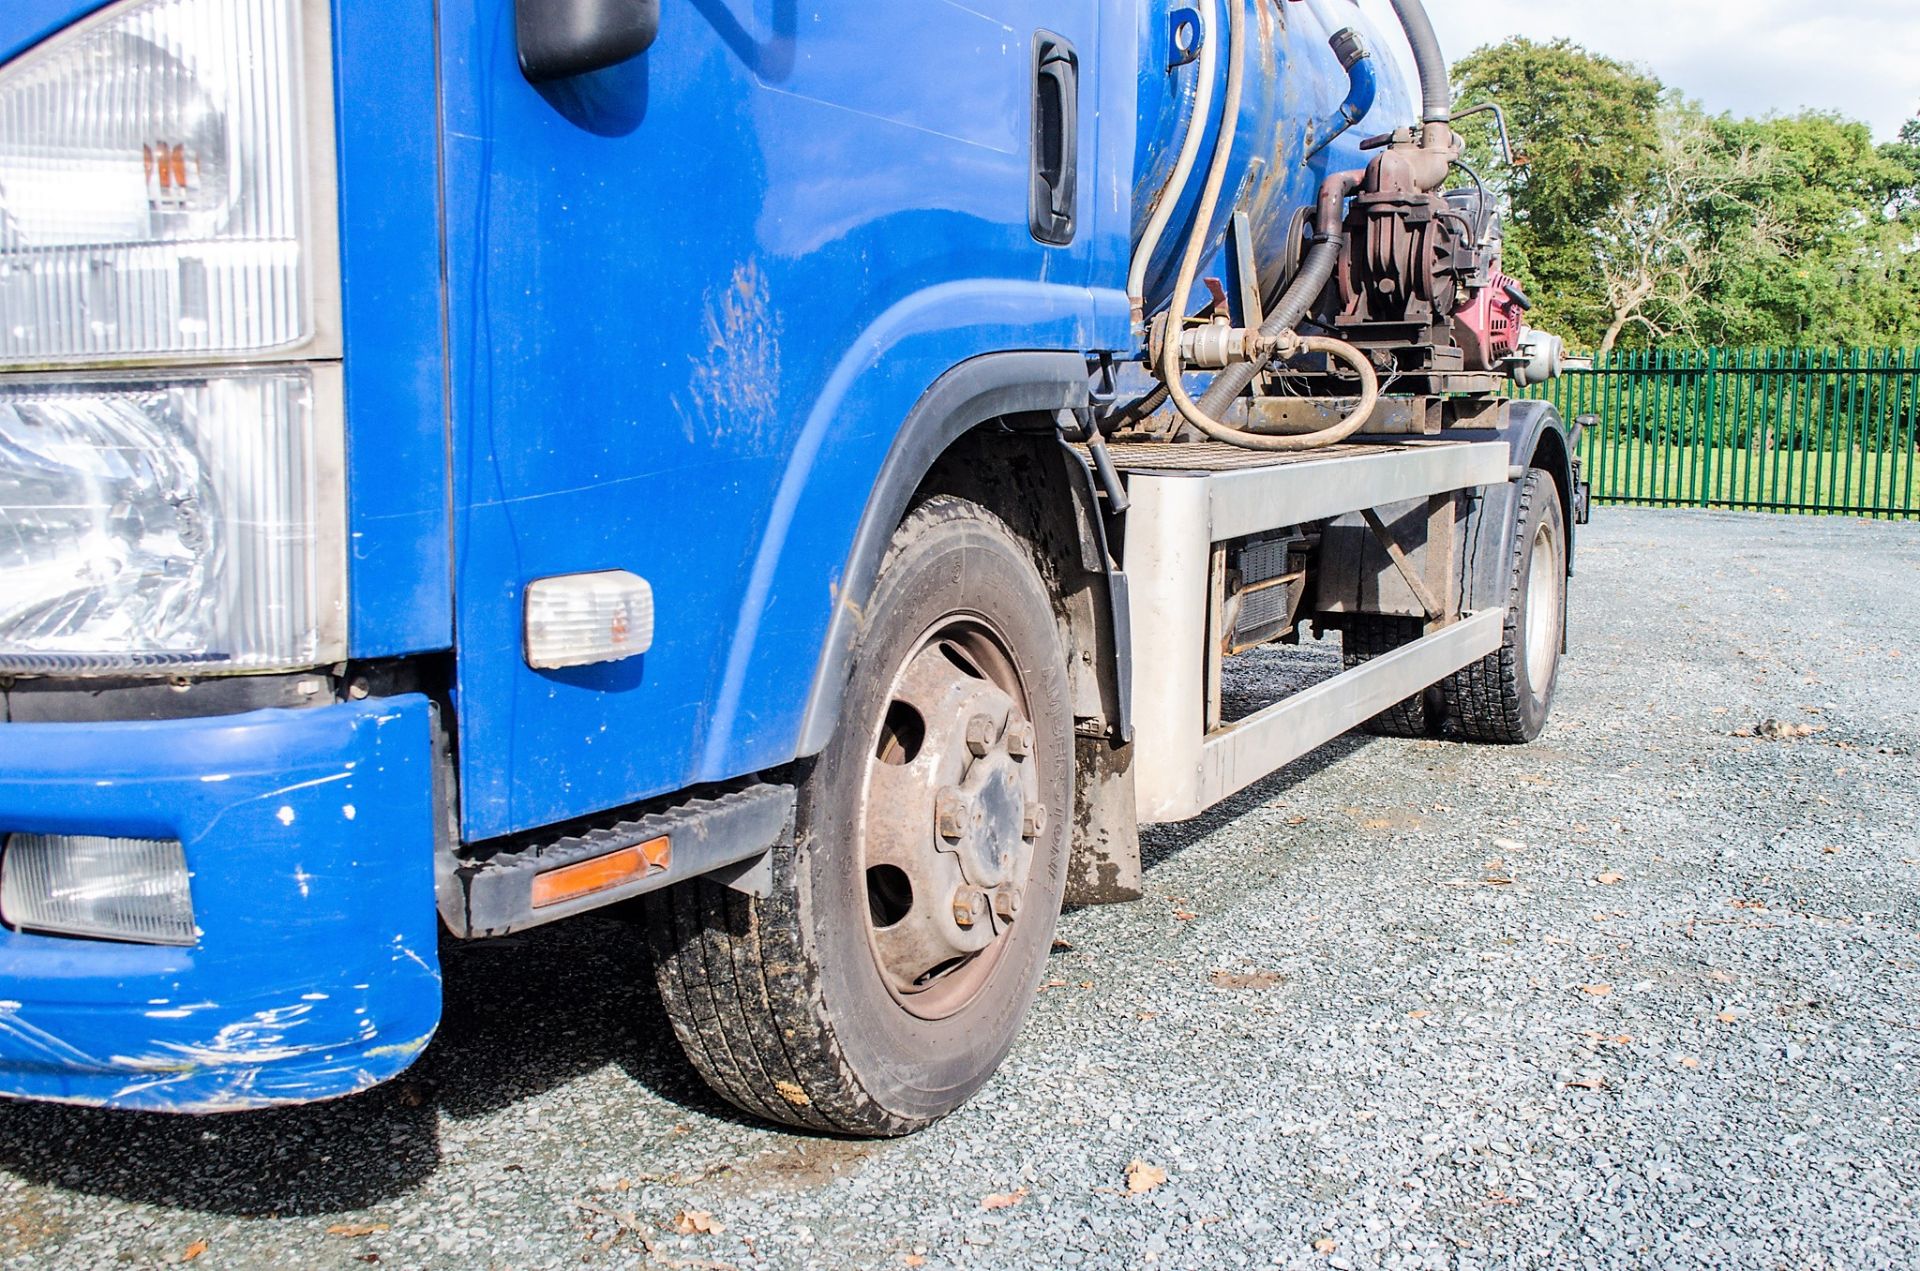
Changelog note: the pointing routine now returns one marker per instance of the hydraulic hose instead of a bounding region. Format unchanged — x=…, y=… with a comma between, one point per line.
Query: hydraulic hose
x=1143, y=408
x=1171, y=353
x=1363, y=85
x=1436, y=90
x=1182, y=168
x=1316, y=271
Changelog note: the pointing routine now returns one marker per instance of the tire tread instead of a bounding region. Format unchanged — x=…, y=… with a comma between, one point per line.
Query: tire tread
x=1485, y=701
x=1369, y=636
x=734, y=971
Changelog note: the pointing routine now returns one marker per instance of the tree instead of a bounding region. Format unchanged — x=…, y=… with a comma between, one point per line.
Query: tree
x=1637, y=218
x=1824, y=203
x=1655, y=249
x=1904, y=154
x=1587, y=128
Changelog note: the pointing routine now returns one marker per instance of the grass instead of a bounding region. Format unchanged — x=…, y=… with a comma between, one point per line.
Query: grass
x=1850, y=482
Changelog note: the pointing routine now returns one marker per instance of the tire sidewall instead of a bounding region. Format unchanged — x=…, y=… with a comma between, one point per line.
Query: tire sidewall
x=1537, y=688
x=951, y=559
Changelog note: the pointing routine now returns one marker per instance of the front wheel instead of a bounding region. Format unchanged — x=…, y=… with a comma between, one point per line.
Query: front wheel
x=885, y=977
x=1505, y=697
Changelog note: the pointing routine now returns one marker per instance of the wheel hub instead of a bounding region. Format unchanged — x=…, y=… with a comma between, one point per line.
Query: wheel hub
x=951, y=815
x=980, y=820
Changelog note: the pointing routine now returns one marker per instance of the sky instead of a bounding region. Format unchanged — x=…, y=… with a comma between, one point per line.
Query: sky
x=1858, y=57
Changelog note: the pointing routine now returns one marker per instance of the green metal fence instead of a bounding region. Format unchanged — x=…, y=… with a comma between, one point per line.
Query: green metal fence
x=1784, y=430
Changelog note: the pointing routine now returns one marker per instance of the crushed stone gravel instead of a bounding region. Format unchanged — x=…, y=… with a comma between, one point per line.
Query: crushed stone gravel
x=1645, y=994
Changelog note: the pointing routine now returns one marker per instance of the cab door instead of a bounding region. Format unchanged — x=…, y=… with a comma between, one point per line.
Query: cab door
x=688, y=299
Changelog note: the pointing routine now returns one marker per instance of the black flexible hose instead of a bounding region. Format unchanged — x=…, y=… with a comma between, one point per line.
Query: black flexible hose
x=1436, y=90
x=1140, y=410
x=1315, y=272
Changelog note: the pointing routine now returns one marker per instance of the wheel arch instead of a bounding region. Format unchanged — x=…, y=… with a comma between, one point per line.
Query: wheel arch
x=1552, y=451
x=990, y=431
x=1536, y=437
x=975, y=393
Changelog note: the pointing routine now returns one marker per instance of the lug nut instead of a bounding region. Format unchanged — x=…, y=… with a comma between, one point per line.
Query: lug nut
x=1006, y=904
x=1020, y=740
x=979, y=736
x=1034, y=823
x=964, y=915
x=950, y=814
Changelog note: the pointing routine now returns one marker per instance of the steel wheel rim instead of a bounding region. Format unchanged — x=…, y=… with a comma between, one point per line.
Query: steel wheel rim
x=1543, y=605
x=949, y=817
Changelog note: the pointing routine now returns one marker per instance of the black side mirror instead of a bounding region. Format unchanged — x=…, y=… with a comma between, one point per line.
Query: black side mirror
x=559, y=38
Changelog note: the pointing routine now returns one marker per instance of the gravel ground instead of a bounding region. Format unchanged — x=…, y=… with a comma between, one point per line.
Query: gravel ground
x=1644, y=994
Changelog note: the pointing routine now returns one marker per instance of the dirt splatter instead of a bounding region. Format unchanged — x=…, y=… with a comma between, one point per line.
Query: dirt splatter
x=733, y=395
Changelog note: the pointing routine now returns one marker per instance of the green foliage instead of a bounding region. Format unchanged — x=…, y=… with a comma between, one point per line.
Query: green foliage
x=1638, y=218
x=1905, y=153
x=1585, y=129
x=1812, y=257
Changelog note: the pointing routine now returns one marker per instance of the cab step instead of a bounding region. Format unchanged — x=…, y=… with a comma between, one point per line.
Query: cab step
x=531, y=883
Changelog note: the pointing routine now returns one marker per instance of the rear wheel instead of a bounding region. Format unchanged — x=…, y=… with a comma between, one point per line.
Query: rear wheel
x=1506, y=697
x=884, y=978
x=1371, y=635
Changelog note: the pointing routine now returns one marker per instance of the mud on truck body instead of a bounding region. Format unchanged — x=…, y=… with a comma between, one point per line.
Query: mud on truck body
x=799, y=468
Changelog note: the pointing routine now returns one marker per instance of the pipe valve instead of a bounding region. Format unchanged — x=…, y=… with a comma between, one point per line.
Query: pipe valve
x=1218, y=345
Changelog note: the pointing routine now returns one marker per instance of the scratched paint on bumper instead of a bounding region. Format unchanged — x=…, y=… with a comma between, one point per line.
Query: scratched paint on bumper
x=309, y=837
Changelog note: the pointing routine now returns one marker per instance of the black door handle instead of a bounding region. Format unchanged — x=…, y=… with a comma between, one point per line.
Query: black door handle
x=1056, y=139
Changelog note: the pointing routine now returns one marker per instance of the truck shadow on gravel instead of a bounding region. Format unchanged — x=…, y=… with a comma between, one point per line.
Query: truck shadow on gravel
x=523, y=1016
x=1161, y=843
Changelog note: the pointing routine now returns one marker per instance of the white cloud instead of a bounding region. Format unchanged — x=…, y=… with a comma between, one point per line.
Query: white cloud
x=1858, y=57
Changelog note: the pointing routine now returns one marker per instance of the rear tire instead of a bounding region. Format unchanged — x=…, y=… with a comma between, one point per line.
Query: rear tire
x=1371, y=635
x=1507, y=696
x=887, y=973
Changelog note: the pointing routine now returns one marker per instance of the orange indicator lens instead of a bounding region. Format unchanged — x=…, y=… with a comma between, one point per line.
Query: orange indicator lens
x=627, y=865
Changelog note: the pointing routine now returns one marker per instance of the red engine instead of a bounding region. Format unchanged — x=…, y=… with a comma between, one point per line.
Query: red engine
x=1488, y=327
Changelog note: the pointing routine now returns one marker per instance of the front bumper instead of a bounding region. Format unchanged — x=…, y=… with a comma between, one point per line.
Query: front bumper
x=309, y=836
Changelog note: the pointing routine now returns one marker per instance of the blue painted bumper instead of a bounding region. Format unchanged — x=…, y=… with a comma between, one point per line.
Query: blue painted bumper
x=309, y=837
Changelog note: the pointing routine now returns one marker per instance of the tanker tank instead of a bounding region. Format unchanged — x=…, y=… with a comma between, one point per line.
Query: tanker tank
x=1295, y=86
x=1294, y=232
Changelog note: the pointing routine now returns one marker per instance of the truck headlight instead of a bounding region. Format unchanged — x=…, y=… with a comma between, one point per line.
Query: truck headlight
x=170, y=522
x=157, y=199
x=167, y=200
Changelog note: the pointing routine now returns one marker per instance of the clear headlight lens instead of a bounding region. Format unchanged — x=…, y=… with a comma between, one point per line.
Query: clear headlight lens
x=152, y=194
x=167, y=523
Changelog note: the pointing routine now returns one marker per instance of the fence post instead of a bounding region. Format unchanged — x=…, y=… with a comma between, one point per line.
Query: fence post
x=1710, y=459
x=1909, y=398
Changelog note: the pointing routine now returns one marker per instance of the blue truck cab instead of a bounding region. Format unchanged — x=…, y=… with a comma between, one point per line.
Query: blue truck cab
x=462, y=465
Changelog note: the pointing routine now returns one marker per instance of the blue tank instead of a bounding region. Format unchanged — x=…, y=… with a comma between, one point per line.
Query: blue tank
x=1295, y=86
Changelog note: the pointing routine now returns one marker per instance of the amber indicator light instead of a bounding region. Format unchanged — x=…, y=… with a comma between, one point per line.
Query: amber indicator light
x=627, y=865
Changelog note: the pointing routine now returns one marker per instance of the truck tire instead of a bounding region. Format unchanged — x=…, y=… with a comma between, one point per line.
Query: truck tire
x=1505, y=697
x=884, y=977
x=1372, y=635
